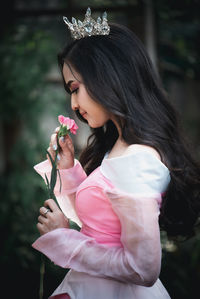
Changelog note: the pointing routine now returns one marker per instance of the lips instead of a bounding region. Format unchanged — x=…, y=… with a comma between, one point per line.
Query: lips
x=83, y=114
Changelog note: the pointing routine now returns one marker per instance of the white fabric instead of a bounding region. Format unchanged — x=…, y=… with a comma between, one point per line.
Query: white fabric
x=140, y=173
x=122, y=272
x=84, y=286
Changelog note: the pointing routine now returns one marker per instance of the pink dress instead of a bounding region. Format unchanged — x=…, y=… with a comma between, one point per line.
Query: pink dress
x=117, y=254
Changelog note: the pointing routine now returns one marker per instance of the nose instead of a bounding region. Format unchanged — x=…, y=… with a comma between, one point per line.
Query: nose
x=74, y=104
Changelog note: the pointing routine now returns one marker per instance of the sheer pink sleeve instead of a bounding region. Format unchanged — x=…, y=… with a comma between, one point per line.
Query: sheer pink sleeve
x=70, y=180
x=139, y=260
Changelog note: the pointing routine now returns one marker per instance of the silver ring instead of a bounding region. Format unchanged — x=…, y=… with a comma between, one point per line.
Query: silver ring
x=47, y=210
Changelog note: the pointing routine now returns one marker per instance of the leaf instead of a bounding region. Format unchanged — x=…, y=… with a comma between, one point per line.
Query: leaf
x=53, y=178
x=48, y=186
x=60, y=180
x=47, y=181
x=53, y=172
x=51, y=159
x=64, y=131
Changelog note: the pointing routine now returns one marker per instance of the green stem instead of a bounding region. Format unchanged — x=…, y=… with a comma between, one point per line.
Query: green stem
x=50, y=189
x=42, y=272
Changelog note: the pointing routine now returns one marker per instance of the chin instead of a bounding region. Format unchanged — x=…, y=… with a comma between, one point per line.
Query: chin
x=94, y=126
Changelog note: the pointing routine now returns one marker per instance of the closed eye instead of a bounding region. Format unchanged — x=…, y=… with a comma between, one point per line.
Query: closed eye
x=74, y=91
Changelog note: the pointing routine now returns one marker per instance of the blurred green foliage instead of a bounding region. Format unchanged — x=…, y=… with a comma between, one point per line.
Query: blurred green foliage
x=179, y=30
x=27, y=57
x=180, y=271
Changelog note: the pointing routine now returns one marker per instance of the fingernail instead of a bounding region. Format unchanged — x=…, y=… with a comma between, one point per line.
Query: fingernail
x=62, y=138
x=58, y=157
x=55, y=147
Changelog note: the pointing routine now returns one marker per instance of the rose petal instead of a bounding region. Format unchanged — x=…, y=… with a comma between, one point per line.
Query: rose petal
x=72, y=122
x=61, y=119
x=73, y=131
x=75, y=127
x=69, y=123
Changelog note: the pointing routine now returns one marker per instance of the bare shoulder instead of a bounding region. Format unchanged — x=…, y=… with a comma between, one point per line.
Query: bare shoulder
x=133, y=148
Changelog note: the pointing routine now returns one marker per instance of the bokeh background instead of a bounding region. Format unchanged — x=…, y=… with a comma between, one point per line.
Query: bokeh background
x=32, y=96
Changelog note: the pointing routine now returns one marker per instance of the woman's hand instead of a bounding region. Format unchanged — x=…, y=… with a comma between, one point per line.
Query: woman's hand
x=66, y=150
x=51, y=217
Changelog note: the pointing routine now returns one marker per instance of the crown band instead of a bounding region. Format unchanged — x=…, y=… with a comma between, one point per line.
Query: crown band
x=89, y=26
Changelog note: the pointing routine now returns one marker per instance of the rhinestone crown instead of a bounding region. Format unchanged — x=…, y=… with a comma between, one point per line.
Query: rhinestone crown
x=89, y=26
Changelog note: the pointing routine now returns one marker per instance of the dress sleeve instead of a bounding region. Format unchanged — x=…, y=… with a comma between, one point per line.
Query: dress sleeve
x=137, y=261
x=65, y=191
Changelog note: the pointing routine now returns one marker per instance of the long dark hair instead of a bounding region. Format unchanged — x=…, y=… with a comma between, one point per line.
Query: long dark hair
x=118, y=73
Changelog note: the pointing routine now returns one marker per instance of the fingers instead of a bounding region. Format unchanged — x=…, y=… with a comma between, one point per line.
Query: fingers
x=41, y=228
x=63, y=148
x=57, y=130
x=51, y=217
x=66, y=144
x=42, y=219
x=52, y=153
x=49, y=207
x=44, y=211
x=52, y=146
x=53, y=142
x=51, y=204
x=47, y=210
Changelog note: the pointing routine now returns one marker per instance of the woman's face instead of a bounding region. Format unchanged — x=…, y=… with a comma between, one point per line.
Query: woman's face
x=93, y=112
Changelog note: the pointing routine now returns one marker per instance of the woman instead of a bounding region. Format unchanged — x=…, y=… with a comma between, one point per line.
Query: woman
x=134, y=174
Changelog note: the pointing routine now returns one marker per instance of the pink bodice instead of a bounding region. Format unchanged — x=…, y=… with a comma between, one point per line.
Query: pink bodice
x=118, y=251
x=95, y=211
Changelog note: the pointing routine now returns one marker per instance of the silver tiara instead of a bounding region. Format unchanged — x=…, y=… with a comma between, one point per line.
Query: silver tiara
x=89, y=26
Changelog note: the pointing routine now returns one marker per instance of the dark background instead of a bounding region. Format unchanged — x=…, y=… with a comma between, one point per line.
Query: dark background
x=32, y=96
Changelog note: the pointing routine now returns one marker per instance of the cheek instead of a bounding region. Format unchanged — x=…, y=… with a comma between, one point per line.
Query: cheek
x=101, y=117
x=97, y=117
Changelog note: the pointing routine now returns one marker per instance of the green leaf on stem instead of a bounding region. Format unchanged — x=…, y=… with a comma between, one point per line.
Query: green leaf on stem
x=63, y=131
x=53, y=179
x=60, y=180
x=53, y=172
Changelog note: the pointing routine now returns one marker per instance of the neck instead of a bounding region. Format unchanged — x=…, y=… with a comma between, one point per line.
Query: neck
x=120, y=145
x=118, y=127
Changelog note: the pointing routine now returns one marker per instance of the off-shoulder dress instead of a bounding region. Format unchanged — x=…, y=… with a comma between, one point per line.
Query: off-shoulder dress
x=117, y=253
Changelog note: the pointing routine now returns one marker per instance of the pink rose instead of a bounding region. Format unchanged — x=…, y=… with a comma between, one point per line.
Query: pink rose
x=61, y=119
x=69, y=123
x=74, y=128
